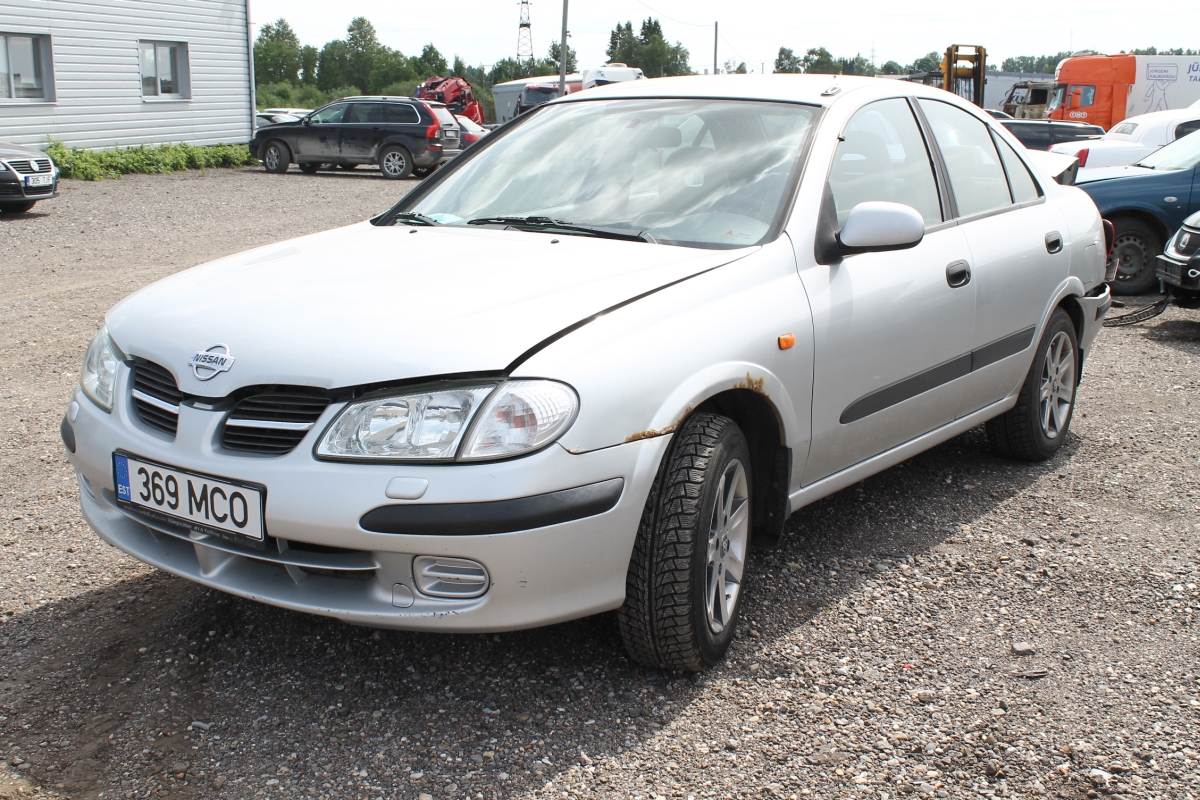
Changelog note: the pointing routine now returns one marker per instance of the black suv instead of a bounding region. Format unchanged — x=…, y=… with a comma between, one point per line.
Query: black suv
x=1039, y=134
x=402, y=135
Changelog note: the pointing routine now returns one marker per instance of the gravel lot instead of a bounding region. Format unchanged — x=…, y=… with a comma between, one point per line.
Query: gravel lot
x=878, y=656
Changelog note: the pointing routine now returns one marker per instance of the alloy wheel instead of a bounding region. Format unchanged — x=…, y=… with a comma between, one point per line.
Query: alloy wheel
x=393, y=163
x=728, y=539
x=1057, y=390
x=271, y=158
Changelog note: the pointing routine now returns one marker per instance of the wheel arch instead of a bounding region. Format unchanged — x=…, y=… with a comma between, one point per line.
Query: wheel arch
x=262, y=148
x=1141, y=215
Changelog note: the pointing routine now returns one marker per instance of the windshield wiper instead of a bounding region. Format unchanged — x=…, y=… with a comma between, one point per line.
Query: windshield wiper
x=548, y=223
x=1143, y=166
x=413, y=218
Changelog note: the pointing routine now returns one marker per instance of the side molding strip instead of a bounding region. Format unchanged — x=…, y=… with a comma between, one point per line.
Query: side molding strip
x=932, y=378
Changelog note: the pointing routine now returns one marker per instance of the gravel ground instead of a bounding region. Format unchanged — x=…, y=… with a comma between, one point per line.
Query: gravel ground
x=957, y=626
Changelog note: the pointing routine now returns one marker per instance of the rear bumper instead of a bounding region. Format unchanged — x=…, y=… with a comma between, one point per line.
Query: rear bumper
x=1094, y=308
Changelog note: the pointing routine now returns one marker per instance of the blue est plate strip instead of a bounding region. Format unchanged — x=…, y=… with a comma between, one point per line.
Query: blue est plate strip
x=122, y=468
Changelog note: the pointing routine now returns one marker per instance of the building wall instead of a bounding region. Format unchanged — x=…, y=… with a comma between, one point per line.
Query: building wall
x=97, y=88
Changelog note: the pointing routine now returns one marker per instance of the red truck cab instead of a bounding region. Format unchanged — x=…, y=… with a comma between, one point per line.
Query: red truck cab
x=1092, y=89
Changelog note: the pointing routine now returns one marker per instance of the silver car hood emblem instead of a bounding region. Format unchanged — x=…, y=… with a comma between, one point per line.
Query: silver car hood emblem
x=207, y=364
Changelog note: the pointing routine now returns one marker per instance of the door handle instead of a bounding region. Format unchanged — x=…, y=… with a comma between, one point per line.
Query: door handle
x=958, y=273
x=1054, y=242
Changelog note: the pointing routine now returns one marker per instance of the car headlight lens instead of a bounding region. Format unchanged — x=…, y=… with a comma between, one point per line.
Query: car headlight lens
x=517, y=417
x=99, y=375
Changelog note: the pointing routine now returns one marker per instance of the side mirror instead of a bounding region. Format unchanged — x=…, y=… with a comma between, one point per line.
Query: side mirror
x=876, y=225
x=307, y=120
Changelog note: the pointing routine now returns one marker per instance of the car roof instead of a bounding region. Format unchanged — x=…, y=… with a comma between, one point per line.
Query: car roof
x=376, y=98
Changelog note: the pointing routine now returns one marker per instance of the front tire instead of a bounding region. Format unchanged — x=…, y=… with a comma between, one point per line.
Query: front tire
x=395, y=163
x=276, y=157
x=1034, y=429
x=17, y=208
x=683, y=591
x=1136, y=247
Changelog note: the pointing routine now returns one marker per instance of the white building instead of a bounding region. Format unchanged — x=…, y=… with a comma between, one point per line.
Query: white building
x=111, y=73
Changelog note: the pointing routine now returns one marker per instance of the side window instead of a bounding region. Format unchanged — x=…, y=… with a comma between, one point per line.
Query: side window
x=883, y=156
x=360, y=113
x=329, y=115
x=1035, y=137
x=1019, y=179
x=400, y=114
x=971, y=159
x=1087, y=95
x=1184, y=128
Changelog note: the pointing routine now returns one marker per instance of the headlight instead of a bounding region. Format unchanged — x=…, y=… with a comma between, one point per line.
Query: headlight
x=514, y=418
x=100, y=369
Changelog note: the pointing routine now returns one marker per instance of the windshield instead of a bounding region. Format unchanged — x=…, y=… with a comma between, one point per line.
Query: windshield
x=536, y=95
x=1180, y=154
x=702, y=173
x=1060, y=91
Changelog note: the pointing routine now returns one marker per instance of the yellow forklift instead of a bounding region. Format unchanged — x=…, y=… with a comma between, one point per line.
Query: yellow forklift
x=963, y=72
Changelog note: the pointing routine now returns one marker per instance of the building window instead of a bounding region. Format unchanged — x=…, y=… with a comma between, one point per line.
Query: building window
x=164, y=69
x=25, y=67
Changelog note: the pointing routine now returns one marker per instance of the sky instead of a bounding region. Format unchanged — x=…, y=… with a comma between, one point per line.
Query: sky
x=483, y=31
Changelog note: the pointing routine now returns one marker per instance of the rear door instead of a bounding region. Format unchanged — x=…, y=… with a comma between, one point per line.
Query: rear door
x=362, y=131
x=1017, y=248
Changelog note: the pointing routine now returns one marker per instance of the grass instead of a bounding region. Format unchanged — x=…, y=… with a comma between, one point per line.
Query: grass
x=96, y=165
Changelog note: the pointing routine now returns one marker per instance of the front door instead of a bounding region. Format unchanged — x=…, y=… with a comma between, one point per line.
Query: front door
x=890, y=328
x=319, y=139
x=1018, y=249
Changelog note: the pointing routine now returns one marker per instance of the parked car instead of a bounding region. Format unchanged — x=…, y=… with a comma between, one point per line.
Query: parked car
x=402, y=135
x=536, y=94
x=996, y=114
x=1147, y=202
x=1042, y=134
x=26, y=176
x=1133, y=139
x=291, y=112
x=687, y=314
x=472, y=131
x=263, y=118
x=1179, y=265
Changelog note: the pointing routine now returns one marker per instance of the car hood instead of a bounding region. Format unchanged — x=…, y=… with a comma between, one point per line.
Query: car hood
x=366, y=304
x=1108, y=173
x=15, y=151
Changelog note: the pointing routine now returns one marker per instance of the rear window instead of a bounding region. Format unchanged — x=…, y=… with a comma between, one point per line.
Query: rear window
x=1125, y=129
x=444, y=116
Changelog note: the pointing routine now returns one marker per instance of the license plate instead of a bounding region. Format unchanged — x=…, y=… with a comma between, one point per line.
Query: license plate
x=451, y=134
x=39, y=180
x=197, y=502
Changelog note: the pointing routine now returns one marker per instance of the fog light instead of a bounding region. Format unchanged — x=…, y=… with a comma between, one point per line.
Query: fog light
x=450, y=577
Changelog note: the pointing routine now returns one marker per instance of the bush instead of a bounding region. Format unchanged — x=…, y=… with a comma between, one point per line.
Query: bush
x=95, y=165
x=285, y=95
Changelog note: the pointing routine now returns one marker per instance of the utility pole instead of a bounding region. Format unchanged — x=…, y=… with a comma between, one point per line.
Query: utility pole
x=562, y=55
x=714, y=48
x=524, y=34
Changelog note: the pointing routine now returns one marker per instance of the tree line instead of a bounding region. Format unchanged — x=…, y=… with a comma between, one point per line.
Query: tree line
x=289, y=74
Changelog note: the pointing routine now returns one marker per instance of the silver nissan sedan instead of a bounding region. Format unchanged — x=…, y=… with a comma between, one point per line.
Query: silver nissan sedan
x=586, y=365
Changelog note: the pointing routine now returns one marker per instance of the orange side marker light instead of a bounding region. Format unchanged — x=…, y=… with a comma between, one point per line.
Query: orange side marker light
x=787, y=341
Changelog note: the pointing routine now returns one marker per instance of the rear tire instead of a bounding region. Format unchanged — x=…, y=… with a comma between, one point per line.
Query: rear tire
x=1034, y=429
x=1136, y=247
x=395, y=163
x=683, y=591
x=17, y=208
x=309, y=167
x=276, y=157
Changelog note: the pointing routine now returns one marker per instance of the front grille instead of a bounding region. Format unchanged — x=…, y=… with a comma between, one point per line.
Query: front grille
x=25, y=166
x=156, y=396
x=10, y=190
x=35, y=191
x=274, y=421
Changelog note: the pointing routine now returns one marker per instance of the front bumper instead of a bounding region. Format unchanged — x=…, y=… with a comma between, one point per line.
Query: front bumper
x=14, y=190
x=1181, y=273
x=560, y=571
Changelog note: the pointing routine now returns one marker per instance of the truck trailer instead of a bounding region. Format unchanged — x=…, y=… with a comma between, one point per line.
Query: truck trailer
x=1103, y=90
